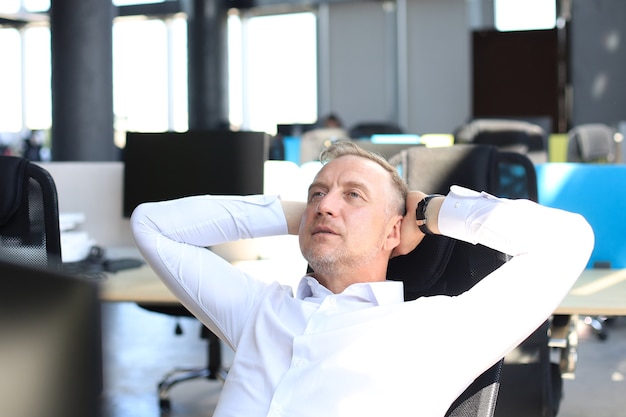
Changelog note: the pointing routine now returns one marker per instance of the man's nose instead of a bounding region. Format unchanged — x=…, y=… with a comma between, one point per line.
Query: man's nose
x=328, y=204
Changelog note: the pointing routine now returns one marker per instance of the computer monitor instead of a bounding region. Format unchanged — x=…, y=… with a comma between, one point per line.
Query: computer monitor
x=50, y=344
x=164, y=166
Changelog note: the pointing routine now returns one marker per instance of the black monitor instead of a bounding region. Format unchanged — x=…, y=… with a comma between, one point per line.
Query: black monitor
x=164, y=166
x=50, y=344
x=295, y=129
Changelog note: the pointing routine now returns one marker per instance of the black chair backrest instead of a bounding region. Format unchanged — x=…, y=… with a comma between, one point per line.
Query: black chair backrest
x=440, y=265
x=434, y=170
x=29, y=214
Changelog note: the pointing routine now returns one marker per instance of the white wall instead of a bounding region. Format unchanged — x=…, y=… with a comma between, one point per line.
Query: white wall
x=408, y=64
x=439, y=65
x=598, y=61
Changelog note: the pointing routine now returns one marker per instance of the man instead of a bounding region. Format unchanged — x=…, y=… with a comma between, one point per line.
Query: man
x=347, y=344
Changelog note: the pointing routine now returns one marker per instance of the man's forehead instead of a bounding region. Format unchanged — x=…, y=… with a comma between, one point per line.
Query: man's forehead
x=351, y=169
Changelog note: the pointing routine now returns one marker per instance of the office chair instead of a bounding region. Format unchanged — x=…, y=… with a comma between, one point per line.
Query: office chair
x=29, y=214
x=447, y=266
x=508, y=135
x=213, y=369
x=529, y=384
x=592, y=143
x=313, y=142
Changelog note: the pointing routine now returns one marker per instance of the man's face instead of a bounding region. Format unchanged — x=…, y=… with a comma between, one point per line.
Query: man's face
x=347, y=218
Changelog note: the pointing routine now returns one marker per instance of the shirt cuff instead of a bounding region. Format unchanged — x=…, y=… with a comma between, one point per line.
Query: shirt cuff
x=462, y=212
x=265, y=216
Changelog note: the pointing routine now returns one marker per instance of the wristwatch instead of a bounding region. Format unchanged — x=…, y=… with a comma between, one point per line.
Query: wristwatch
x=420, y=212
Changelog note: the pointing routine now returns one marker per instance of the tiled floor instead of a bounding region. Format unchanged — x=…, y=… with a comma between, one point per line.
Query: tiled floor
x=140, y=347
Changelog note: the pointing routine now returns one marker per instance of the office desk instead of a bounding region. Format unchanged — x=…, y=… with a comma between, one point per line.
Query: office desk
x=598, y=292
x=141, y=285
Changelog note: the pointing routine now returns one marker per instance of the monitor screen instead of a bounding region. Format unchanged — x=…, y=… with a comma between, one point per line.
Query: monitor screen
x=50, y=344
x=164, y=166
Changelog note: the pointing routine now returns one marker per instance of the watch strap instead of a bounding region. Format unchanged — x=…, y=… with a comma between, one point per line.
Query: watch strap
x=420, y=213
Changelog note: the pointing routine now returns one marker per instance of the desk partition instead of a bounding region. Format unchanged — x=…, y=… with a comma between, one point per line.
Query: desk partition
x=597, y=192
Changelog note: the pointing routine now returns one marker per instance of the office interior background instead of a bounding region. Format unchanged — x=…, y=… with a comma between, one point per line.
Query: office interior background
x=411, y=63
x=84, y=72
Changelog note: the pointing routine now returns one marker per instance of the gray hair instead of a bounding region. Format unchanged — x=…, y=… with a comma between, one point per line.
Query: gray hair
x=343, y=148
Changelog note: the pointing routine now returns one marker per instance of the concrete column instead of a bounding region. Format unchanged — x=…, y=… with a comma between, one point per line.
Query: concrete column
x=207, y=64
x=82, y=80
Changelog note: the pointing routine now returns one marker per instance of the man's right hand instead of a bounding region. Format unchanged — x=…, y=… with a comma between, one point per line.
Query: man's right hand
x=410, y=234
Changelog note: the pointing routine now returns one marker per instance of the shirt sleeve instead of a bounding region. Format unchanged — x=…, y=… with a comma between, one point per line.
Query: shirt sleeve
x=549, y=248
x=173, y=237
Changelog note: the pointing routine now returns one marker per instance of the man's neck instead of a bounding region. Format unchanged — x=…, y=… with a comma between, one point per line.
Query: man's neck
x=337, y=282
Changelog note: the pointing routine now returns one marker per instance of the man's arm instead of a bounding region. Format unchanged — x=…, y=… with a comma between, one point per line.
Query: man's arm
x=549, y=249
x=173, y=235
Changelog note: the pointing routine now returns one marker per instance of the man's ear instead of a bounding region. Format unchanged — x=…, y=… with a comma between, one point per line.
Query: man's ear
x=393, y=237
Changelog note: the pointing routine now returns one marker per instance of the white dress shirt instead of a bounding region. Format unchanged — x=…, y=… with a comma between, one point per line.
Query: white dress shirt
x=364, y=352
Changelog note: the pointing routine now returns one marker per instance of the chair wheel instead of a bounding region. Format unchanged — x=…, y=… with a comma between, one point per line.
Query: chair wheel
x=164, y=404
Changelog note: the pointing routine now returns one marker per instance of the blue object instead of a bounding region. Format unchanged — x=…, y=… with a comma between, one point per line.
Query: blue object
x=291, y=145
x=597, y=192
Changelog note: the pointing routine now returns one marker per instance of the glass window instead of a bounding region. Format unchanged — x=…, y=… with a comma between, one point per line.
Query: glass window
x=37, y=90
x=178, y=75
x=140, y=64
x=131, y=2
x=10, y=81
x=9, y=6
x=278, y=61
x=524, y=15
x=36, y=5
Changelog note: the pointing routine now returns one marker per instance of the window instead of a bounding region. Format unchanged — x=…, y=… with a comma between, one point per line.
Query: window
x=36, y=5
x=150, y=74
x=37, y=78
x=273, y=70
x=524, y=15
x=10, y=81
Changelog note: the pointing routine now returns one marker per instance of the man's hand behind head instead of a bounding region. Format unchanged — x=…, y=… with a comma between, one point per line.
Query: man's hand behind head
x=410, y=234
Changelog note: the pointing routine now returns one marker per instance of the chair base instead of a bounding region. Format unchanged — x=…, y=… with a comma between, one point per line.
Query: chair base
x=176, y=376
x=212, y=371
x=598, y=325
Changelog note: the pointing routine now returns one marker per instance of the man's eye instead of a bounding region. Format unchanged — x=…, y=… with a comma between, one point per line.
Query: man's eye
x=354, y=194
x=316, y=194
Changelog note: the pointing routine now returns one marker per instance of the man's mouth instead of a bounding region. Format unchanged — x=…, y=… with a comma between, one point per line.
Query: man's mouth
x=323, y=230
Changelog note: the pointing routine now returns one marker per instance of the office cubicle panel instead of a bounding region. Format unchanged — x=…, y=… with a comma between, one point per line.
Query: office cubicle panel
x=50, y=344
x=387, y=150
x=596, y=192
x=163, y=166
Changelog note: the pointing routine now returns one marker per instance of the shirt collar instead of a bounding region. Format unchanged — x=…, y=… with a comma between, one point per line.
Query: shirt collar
x=379, y=293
